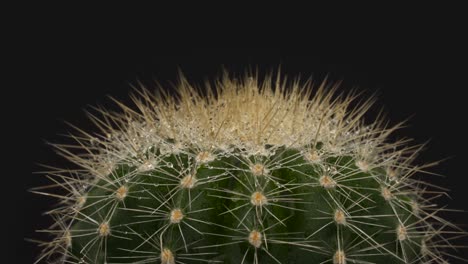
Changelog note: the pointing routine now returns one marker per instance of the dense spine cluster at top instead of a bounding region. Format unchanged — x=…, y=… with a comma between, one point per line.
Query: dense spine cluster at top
x=243, y=172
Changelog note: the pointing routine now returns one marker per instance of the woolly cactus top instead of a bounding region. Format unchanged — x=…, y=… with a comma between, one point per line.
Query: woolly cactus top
x=300, y=144
x=243, y=114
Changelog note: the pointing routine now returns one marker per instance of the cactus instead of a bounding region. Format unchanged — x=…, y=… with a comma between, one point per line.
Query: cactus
x=246, y=172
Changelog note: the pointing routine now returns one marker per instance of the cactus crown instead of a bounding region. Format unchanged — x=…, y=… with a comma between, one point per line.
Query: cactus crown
x=243, y=172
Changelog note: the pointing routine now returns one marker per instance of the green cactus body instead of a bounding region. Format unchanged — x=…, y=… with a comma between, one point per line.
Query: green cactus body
x=253, y=174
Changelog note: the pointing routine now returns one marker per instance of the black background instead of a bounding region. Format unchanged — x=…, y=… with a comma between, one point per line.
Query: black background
x=413, y=77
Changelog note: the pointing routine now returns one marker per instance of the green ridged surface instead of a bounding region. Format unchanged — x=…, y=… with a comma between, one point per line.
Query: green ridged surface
x=218, y=214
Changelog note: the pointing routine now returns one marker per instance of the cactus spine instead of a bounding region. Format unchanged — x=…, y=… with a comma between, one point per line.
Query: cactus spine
x=249, y=172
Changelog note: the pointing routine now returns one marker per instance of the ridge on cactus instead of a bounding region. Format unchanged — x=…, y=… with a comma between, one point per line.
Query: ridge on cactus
x=243, y=171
